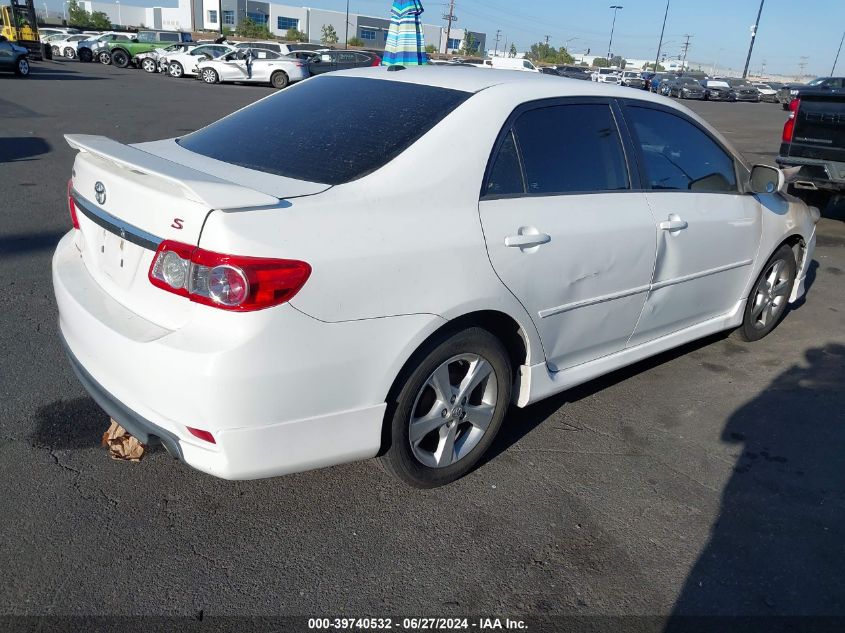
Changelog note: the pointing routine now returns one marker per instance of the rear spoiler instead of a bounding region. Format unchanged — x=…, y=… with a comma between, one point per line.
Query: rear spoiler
x=198, y=186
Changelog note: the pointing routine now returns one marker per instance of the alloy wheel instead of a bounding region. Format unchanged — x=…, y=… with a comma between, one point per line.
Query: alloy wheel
x=23, y=67
x=770, y=296
x=452, y=410
x=175, y=69
x=209, y=76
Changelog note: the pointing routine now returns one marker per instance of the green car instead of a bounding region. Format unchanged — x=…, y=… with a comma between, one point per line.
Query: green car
x=121, y=54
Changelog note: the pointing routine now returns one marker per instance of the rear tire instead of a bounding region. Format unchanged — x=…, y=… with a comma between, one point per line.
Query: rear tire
x=149, y=65
x=446, y=408
x=56, y=51
x=120, y=58
x=70, y=53
x=85, y=55
x=22, y=67
x=279, y=80
x=175, y=70
x=769, y=297
x=104, y=57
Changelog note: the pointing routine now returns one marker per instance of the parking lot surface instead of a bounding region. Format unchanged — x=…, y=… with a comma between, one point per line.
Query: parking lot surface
x=709, y=480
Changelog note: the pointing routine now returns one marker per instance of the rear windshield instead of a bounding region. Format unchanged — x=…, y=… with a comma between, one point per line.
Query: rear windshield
x=328, y=129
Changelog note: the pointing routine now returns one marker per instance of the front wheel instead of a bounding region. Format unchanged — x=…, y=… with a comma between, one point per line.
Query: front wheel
x=768, y=299
x=22, y=67
x=209, y=76
x=279, y=80
x=149, y=65
x=120, y=58
x=104, y=57
x=446, y=409
x=56, y=51
x=175, y=70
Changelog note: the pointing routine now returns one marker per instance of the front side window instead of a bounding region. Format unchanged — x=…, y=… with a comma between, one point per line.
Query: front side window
x=146, y=37
x=168, y=37
x=571, y=148
x=679, y=155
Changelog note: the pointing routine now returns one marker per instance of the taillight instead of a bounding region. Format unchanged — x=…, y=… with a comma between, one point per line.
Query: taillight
x=229, y=282
x=789, y=126
x=71, y=206
x=376, y=61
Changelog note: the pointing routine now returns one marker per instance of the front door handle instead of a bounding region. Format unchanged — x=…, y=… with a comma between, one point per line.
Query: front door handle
x=527, y=240
x=674, y=223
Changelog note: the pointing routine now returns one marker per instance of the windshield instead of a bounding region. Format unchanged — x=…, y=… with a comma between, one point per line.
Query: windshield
x=689, y=81
x=328, y=129
x=817, y=81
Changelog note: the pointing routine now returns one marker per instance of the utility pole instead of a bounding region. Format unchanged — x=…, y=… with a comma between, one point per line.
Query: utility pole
x=615, y=8
x=802, y=65
x=346, y=37
x=220, y=15
x=837, y=54
x=660, y=43
x=547, y=39
x=449, y=19
x=498, y=37
x=753, y=37
x=684, y=58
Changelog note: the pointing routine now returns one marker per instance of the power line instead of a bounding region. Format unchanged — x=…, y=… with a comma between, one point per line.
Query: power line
x=686, y=48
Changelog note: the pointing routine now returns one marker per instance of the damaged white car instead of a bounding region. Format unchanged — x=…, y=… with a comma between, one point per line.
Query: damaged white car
x=296, y=286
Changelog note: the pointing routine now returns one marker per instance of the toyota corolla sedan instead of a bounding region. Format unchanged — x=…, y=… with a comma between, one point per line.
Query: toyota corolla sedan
x=265, y=298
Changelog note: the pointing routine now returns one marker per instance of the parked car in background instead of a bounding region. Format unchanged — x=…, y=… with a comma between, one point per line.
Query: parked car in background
x=91, y=49
x=13, y=58
x=574, y=72
x=742, y=88
x=549, y=70
x=717, y=90
x=632, y=79
x=511, y=63
x=184, y=63
x=122, y=53
x=656, y=79
x=813, y=141
x=151, y=62
x=303, y=55
x=767, y=92
x=329, y=61
x=66, y=47
x=606, y=75
x=44, y=32
x=249, y=295
x=267, y=67
x=788, y=92
x=685, y=88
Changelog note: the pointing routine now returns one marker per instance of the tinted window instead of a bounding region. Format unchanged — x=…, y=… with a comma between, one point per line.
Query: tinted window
x=506, y=174
x=678, y=155
x=372, y=122
x=571, y=148
x=168, y=37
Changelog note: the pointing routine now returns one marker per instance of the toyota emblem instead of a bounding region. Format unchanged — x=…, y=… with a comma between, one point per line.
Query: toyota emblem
x=100, y=191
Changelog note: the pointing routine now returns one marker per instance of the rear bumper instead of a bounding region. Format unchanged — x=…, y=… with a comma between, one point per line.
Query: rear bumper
x=279, y=391
x=821, y=174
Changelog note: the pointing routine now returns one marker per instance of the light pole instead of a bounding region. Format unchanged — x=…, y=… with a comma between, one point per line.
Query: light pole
x=753, y=37
x=837, y=54
x=346, y=37
x=119, y=18
x=660, y=43
x=615, y=8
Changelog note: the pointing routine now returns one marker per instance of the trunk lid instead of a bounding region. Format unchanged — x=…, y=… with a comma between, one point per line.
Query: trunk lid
x=128, y=201
x=820, y=127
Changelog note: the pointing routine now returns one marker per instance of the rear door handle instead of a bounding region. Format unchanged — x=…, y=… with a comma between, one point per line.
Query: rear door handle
x=674, y=223
x=527, y=240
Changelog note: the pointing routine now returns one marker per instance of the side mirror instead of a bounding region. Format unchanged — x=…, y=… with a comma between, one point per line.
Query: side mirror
x=765, y=179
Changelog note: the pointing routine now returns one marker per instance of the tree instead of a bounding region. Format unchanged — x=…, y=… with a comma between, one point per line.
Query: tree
x=470, y=45
x=252, y=29
x=295, y=35
x=544, y=53
x=76, y=15
x=660, y=68
x=601, y=62
x=329, y=35
x=99, y=20
x=563, y=56
x=618, y=61
x=355, y=41
x=512, y=51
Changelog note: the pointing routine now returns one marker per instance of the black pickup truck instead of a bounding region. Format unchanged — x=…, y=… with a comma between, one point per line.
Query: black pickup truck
x=814, y=143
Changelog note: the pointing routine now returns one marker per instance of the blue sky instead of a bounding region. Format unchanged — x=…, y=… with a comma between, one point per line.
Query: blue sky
x=720, y=28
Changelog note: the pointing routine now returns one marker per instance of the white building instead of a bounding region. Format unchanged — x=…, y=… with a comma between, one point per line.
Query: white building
x=168, y=18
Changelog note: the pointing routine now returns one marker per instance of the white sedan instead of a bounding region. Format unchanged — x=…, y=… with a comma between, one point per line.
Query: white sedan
x=265, y=297
x=66, y=47
x=267, y=67
x=184, y=63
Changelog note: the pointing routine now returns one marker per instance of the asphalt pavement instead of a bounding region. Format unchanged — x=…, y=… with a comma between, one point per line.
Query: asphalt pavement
x=707, y=481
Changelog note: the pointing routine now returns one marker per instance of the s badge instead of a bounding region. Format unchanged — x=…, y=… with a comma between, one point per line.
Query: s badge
x=177, y=223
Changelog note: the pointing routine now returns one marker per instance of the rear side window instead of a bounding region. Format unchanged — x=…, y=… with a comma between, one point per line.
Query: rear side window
x=571, y=148
x=680, y=156
x=328, y=129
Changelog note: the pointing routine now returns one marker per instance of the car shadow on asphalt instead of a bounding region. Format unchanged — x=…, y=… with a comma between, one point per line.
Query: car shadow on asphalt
x=29, y=242
x=19, y=148
x=56, y=74
x=776, y=547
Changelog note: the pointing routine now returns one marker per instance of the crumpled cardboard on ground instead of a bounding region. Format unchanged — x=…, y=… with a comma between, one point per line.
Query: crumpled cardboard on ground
x=121, y=445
